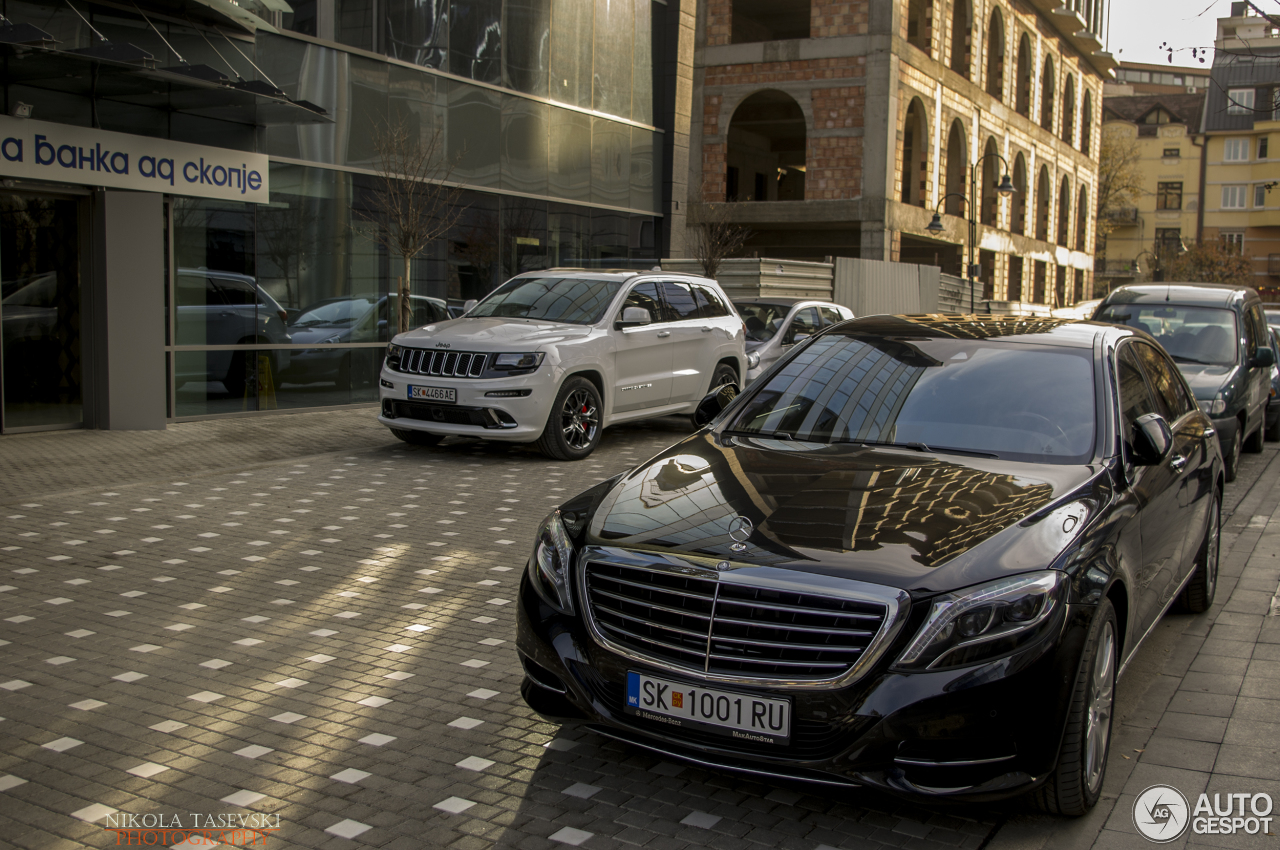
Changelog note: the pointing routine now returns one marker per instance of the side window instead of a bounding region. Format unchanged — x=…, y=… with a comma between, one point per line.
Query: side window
x=710, y=306
x=1250, y=334
x=1135, y=395
x=679, y=297
x=829, y=316
x=1259, y=322
x=645, y=296
x=1164, y=379
x=237, y=292
x=805, y=323
x=196, y=291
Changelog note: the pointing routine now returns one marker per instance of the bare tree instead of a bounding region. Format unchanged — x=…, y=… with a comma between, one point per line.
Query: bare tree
x=1212, y=262
x=1119, y=179
x=415, y=202
x=715, y=237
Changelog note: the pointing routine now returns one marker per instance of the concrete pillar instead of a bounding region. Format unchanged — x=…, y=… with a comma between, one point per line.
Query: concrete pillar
x=128, y=304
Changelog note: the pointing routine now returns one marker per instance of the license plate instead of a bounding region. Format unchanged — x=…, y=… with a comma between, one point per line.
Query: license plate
x=734, y=715
x=446, y=394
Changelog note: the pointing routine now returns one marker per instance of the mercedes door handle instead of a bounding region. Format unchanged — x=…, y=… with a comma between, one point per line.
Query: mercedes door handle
x=1178, y=462
x=661, y=334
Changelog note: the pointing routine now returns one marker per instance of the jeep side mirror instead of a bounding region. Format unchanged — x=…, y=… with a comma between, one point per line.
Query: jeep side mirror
x=1265, y=358
x=1152, y=439
x=713, y=403
x=633, y=317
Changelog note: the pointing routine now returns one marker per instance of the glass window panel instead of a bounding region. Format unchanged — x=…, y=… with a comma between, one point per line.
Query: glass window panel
x=528, y=45
x=322, y=377
x=55, y=106
x=570, y=155
x=614, y=42
x=524, y=145
x=475, y=40
x=475, y=126
x=474, y=247
x=58, y=20
x=417, y=98
x=353, y=24
x=571, y=41
x=570, y=234
x=610, y=162
x=611, y=239
x=642, y=63
x=128, y=118
x=642, y=170
x=679, y=297
x=304, y=17
x=524, y=234
x=368, y=85
x=417, y=31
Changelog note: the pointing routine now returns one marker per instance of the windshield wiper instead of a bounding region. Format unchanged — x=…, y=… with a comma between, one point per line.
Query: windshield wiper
x=921, y=447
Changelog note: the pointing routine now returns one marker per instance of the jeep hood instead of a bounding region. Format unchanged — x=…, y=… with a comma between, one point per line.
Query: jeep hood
x=897, y=517
x=492, y=334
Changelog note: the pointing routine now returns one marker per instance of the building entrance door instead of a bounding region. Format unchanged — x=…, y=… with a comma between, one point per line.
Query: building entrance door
x=40, y=268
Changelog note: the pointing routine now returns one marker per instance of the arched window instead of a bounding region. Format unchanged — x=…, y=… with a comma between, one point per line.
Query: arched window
x=1043, y=200
x=957, y=169
x=961, y=37
x=1019, y=211
x=768, y=20
x=995, y=55
x=766, y=155
x=1082, y=220
x=915, y=154
x=990, y=198
x=1064, y=213
x=1069, y=110
x=1086, y=123
x=920, y=25
x=1022, y=83
x=1046, y=96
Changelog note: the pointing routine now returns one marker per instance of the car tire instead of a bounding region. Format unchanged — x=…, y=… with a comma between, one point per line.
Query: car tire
x=1273, y=433
x=1197, y=596
x=1075, y=783
x=724, y=374
x=417, y=438
x=1253, y=445
x=1231, y=456
x=573, y=426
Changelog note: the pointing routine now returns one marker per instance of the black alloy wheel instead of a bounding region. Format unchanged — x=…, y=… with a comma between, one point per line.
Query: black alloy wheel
x=1197, y=596
x=573, y=427
x=417, y=438
x=723, y=374
x=1231, y=455
x=1075, y=784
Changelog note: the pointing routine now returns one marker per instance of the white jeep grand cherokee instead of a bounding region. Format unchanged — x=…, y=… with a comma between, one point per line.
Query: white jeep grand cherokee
x=556, y=356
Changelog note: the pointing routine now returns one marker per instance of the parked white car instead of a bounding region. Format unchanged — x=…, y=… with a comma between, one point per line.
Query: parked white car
x=557, y=356
x=775, y=324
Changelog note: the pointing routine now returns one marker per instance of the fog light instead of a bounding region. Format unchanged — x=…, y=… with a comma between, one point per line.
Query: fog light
x=508, y=393
x=388, y=408
x=386, y=383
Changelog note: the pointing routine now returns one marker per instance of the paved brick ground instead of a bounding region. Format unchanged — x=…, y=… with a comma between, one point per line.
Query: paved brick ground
x=191, y=624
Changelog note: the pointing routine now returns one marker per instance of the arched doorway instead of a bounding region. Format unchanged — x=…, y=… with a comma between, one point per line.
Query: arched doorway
x=1086, y=123
x=915, y=154
x=1022, y=83
x=990, y=198
x=765, y=160
x=957, y=166
x=1044, y=192
x=1064, y=213
x=920, y=25
x=1019, y=210
x=1069, y=110
x=1046, y=96
x=961, y=37
x=995, y=55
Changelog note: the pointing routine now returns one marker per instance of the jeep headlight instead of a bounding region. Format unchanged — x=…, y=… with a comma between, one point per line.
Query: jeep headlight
x=987, y=621
x=550, y=563
x=393, y=355
x=1214, y=407
x=519, y=362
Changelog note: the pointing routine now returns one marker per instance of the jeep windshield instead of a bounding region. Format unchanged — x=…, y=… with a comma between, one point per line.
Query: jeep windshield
x=576, y=301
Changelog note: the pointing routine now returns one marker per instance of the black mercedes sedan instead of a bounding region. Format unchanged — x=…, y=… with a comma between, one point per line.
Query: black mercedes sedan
x=915, y=554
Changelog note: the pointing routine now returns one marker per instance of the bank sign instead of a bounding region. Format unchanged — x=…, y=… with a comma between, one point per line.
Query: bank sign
x=39, y=150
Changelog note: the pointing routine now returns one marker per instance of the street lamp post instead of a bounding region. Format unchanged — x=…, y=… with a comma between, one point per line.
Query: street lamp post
x=1004, y=188
x=1157, y=272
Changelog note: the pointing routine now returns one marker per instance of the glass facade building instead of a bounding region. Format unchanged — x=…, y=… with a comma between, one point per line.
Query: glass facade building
x=547, y=115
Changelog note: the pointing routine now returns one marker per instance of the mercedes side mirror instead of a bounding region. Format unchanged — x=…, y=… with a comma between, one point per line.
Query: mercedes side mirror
x=713, y=403
x=1265, y=358
x=633, y=317
x=1152, y=439
x=468, y=304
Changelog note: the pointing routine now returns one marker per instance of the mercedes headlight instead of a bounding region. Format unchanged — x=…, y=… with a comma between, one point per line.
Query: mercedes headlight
x=1215, y=407
x=984, y=622
x=753, y=359
x=550, y=563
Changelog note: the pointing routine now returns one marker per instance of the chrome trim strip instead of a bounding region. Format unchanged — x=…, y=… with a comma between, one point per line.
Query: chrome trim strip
x=960, y=763
x=896, y=602
x=1157, y=620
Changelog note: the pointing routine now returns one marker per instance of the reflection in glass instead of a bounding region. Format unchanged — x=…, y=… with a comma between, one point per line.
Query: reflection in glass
x=475, y=40
x=571, y=156
x=1200, y=335
x=571, y=45
x=354, y=23
x=417, y=31
x=524, y=233
x=528, y=45
x=475, y=129
x=269, y=380
x=611, y=77
x=40, y=311
x=369, y=84
x=303, y=17
x=643, y=61
x=524, y=145
x=571, y=300
x=610, y=162
x=643, y=167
